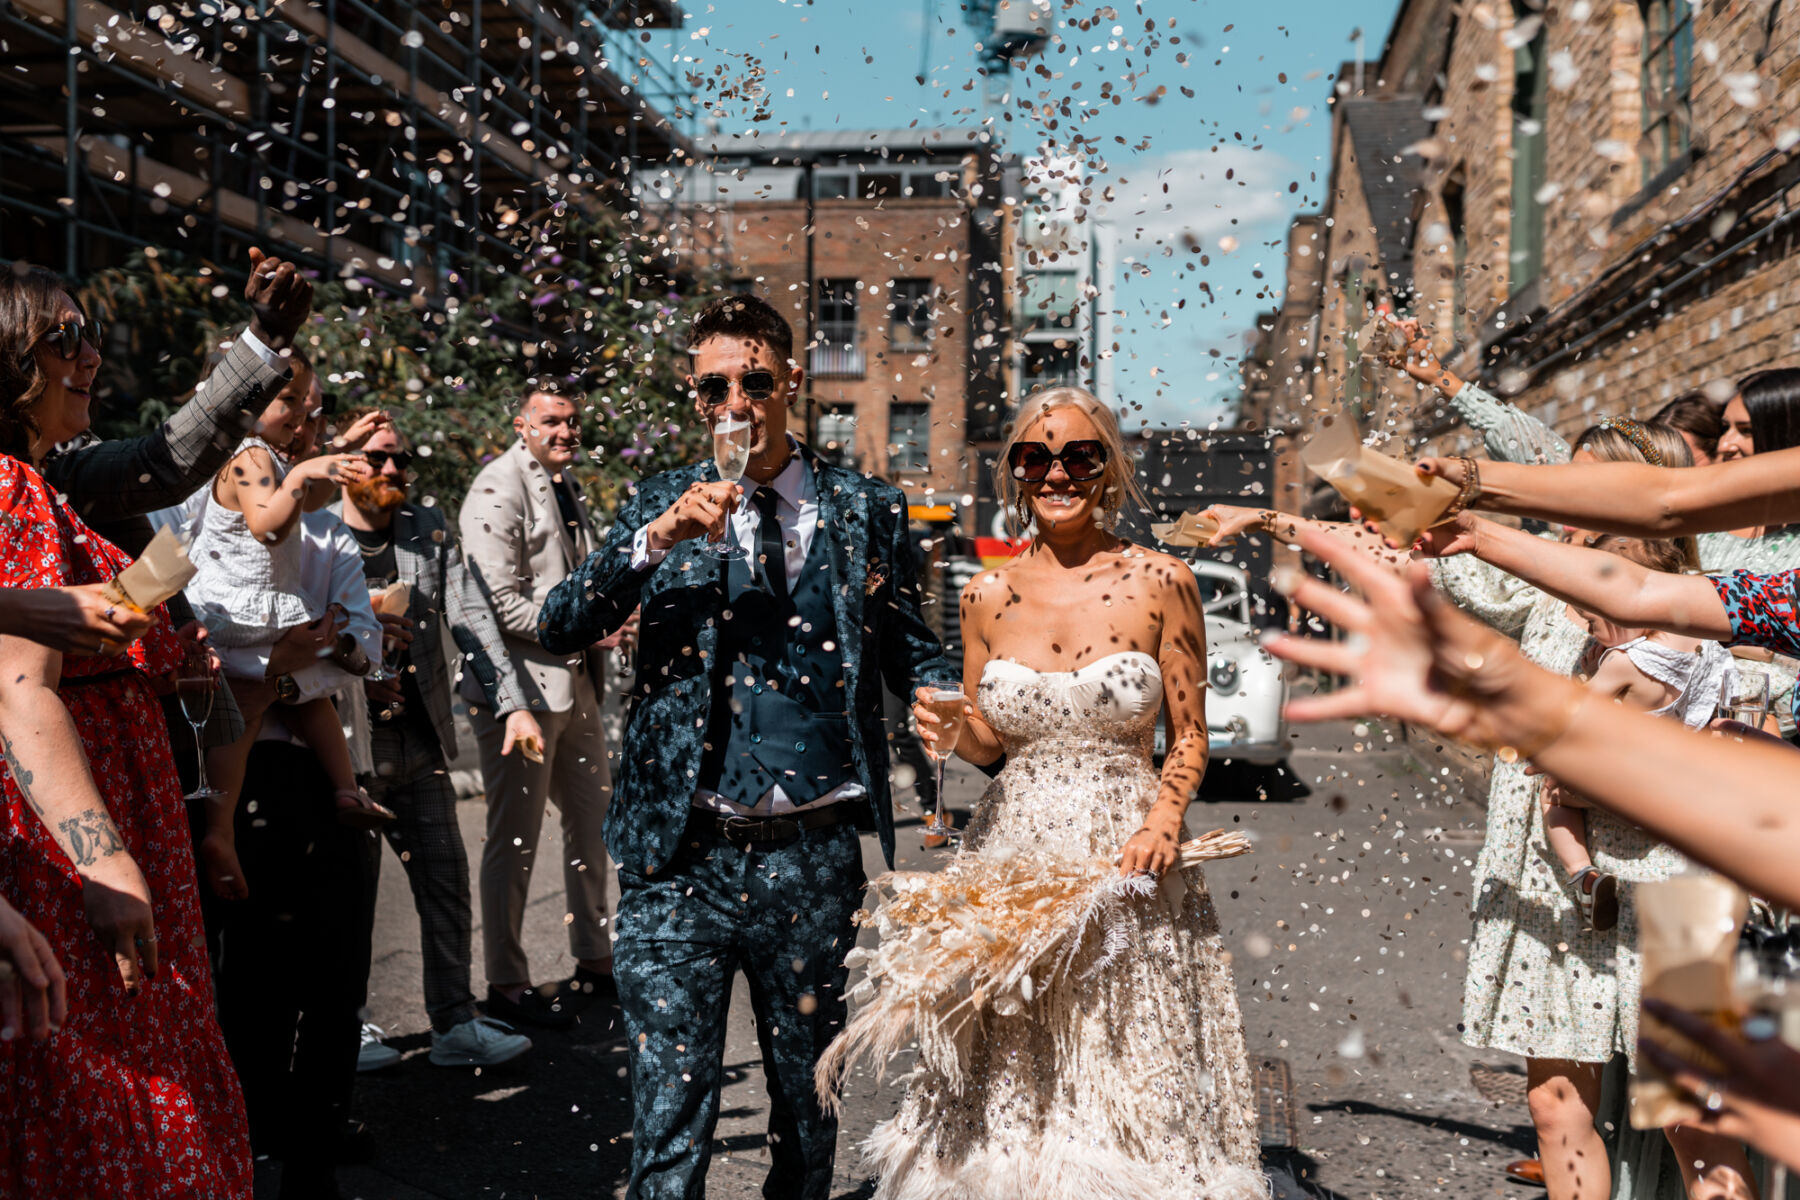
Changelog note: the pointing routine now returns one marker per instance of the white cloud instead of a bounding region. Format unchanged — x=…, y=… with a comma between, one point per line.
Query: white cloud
x=1200, y=201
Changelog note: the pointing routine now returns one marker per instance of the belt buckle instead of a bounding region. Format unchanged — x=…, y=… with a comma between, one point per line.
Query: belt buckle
x=739, y=830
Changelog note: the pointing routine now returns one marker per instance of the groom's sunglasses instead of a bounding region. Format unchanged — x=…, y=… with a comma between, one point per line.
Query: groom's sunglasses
x=714, y=390
x=1081, y=461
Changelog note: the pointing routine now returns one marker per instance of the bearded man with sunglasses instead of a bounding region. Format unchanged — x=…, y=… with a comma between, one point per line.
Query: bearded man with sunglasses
x=754, y=751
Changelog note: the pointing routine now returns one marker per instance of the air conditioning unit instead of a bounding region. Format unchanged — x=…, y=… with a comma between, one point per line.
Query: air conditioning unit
x=1021, y=26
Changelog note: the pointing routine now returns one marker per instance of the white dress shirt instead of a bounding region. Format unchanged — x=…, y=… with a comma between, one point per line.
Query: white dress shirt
x=797, y=507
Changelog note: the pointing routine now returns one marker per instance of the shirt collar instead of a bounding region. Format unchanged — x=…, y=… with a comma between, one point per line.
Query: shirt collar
x=794, y=485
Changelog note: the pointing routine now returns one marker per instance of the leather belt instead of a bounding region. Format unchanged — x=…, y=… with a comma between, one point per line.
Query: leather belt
x=762, y=831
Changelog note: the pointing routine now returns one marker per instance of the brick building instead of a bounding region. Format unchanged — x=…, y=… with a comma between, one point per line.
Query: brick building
x=1590, y=201
x=884, y=250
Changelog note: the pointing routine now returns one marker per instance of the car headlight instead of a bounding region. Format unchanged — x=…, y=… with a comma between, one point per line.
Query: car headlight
x=1223, y=674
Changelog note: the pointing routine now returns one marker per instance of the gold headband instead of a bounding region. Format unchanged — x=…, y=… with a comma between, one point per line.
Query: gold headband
x=1635, y=433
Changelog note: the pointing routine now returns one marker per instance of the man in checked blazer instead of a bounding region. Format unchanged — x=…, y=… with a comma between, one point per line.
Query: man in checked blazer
x=412, y=735
x=115, y=485
x=524, y=527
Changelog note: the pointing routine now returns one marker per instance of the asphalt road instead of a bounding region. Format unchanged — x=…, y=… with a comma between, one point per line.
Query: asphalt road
x=1347, y=928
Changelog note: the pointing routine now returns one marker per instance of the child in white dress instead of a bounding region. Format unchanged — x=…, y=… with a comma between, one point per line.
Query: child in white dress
x=246, y=592
x=1663, y=674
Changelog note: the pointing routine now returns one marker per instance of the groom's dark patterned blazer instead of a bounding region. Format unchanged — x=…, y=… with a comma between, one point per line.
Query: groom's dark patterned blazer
x=882, y=635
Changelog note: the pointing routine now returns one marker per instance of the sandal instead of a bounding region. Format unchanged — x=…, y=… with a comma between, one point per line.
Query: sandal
x=356, y=809
x=1600, y=902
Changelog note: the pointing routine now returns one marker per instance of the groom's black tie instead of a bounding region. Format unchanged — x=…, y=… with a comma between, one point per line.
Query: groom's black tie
x=774, y=557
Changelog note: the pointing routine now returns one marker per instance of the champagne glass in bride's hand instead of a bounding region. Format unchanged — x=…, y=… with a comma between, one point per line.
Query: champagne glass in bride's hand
x=732, y=435
x=1744, y=697
x=948, y=705
x=197, y=686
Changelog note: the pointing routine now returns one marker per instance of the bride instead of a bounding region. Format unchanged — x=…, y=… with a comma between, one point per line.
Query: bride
x=1124, y=1077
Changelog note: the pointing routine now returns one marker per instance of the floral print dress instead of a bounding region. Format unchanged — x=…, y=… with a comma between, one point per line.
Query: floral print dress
x=135, y=1098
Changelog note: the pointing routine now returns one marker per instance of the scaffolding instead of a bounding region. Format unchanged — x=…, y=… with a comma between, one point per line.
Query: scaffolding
x=388, y=143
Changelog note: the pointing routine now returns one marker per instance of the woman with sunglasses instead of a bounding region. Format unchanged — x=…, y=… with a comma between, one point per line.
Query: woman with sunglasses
x=135, y=1097
x=1072, y=650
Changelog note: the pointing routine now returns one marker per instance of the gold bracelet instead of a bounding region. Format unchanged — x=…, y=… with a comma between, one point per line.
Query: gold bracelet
x=1468, y=492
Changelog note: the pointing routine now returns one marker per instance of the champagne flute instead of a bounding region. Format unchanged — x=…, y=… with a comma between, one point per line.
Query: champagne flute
x=732, y=434
x=197, y=685
x=947, y=705
x=1744, y=697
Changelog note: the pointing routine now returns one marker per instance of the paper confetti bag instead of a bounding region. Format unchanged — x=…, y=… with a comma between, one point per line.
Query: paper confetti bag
x=1190, y=529
x=160, y=571
x=392, y=600
x=1688, y=936
x=1387, y=491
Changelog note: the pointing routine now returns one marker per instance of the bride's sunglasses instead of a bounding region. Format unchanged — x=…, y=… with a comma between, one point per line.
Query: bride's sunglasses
x=714, y=390
x=1081, y=461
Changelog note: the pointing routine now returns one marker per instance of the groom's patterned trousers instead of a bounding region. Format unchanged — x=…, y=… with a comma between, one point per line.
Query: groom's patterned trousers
x=782, y=915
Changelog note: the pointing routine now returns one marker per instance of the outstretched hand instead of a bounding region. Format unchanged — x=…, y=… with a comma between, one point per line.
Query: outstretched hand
x=1409, y=654
x=1749, y=1091
x=1233, y=520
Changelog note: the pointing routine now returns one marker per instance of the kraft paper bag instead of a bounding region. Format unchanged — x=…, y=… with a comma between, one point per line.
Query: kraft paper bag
x=1190, y=529
x=392, y=600
x=1688, y=937
x=160, y=571
x=1397, y=498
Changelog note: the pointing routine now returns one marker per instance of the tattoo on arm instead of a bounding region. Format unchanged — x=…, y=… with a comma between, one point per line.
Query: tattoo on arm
x=91, y=836
x=20, y=775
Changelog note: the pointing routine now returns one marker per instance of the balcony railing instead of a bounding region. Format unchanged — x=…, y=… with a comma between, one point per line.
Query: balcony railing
x=828, y=361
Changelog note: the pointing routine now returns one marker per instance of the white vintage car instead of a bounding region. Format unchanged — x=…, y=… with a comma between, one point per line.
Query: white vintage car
x=1246, y=687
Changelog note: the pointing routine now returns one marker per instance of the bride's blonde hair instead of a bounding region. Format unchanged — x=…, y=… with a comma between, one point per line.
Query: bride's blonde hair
x=1118, y=485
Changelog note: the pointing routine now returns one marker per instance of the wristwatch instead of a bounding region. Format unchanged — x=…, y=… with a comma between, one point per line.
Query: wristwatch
x=286, y=690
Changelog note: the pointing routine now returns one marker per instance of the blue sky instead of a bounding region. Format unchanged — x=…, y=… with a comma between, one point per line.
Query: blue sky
x=1222, y=170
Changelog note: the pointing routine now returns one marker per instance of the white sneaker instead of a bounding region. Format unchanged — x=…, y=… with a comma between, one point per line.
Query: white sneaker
x=375, y=1054
x=480, y=1042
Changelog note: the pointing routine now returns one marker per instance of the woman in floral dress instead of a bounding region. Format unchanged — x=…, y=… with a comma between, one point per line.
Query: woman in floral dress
x=134, y=1097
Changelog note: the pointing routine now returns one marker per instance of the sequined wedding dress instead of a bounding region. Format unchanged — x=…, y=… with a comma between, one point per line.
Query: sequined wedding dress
x=1124, y=1077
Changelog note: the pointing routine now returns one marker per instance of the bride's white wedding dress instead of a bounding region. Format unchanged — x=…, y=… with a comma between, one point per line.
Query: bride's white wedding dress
x=1125, y=1078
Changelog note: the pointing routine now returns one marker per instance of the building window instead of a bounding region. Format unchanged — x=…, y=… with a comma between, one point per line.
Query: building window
x=1051, y=300
x=1667, y=81
x=835, y=352
x=910, y=326
x=743, y=287
x=1459, y=257
x=834, y=436
x=909, y=438
x=1529, y=106
x=1049, y=364
x=1355, y=293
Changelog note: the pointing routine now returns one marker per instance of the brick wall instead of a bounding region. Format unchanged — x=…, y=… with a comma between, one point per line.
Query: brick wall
x=875, y=244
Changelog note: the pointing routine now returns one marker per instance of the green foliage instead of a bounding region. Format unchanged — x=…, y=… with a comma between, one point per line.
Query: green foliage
x=586, y=310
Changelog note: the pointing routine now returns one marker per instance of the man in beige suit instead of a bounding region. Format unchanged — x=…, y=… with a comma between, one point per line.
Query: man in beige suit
x=524, y=528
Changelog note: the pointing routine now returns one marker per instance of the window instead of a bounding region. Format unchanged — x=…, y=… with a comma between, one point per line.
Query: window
x=909, y=438
x=1355, y=292
x=886, y=182
x=1049, y=364
x=743, y=287
x=910, y=326
x=1051, y=300
x=835, y=352
x=1529, y=108
x=834, y=438
x=1459, y=256
x=1666, y=78
x=833, y=185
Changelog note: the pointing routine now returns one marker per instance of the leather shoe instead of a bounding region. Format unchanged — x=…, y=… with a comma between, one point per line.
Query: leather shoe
x=1527, y=1170
x=531, y=1008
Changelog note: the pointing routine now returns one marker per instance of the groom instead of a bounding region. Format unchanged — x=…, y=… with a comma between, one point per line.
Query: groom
x=753, y=753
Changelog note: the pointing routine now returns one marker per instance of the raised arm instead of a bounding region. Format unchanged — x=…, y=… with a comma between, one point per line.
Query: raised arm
x=272, y=507
x=1509, y=433
x=1603, y=583
x=44, y=757
x=1638, y=500
x=1420, y=660
x=596, y=598
x=108, y=481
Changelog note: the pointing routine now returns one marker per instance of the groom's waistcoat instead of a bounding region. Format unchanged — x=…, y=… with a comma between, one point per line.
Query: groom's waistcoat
x=779, y=705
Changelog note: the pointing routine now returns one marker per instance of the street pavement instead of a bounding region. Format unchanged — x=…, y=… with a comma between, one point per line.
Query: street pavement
x=1347, y=927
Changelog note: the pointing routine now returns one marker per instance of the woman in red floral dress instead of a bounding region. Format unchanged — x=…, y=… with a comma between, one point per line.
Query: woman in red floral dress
x=135, y=1097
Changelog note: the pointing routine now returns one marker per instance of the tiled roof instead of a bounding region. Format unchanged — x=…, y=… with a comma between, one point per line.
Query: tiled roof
x=1380, y=130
